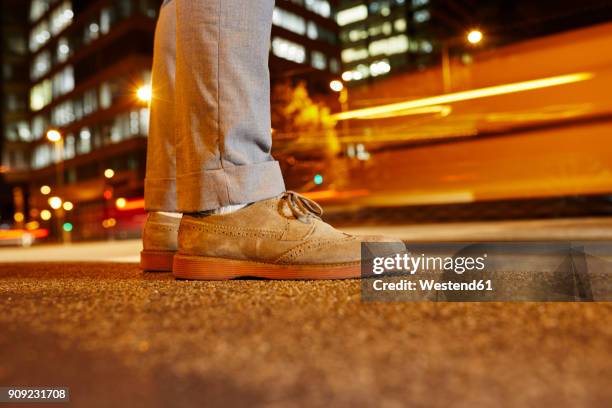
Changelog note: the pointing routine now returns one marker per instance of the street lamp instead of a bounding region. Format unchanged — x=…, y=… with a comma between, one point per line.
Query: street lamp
x=473, y=37
x=144, y=93
x=54, y=135
x=121, y=202
x=55, y=202
x=338, y=86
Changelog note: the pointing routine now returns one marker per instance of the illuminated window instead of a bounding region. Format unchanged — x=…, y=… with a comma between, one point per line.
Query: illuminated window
x=358, y=73
x=92, y=31
x=63, y=81
x=379, y=68
x=40, y=65
x=288, y=50
x=62, y=114
x=357, y=34
x=352, y=15
x=106, y=96
x=354, y=54
x=321, y=7
x=121, y=127
x=384, y=28
x=400, y=24
x=389, y=46
x=61, y=17
x=312, y=31
x=421, y=16
x=426, y=46
x=318, y=60
x=69, y=146
x=39, y=126
x=42, y=156
x=38, y=8
x=134, y=123
x=23, y=130
x=40, y=95
x=18, y=131
x=84, y=141
x=289, y=21
x=144, y=121
x=63, y=50
x=39, y=36
x=90, y=102
x=105, y=20
x=387, y=28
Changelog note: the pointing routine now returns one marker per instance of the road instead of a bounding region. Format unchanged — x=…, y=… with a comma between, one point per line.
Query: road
x=118, y=337
x=596, y=228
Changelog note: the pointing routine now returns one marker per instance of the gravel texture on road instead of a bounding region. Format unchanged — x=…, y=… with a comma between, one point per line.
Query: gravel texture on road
x=118, y=337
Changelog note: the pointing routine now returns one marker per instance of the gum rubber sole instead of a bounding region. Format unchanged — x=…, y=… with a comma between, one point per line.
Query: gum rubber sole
x=207, y=268
x=156, y=261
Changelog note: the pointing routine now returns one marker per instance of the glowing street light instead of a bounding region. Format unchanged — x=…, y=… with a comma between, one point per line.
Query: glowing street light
x=474, y=36
x=336, y=85
x=53, y=135
x=121, y=202
x=45, y=215
x=109, y=173
x=68, y=206
x=55, y=202
x=45, y=190
x=18, y=217
x=144, y=93
x=347, y=76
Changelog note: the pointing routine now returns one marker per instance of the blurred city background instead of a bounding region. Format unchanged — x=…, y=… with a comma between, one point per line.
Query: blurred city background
x=385, y=111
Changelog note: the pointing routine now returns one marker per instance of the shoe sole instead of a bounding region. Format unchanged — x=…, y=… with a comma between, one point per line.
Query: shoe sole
x=207, y=268
x=156, y=261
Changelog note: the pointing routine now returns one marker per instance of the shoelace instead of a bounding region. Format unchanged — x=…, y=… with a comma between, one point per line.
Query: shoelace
x=301, y=207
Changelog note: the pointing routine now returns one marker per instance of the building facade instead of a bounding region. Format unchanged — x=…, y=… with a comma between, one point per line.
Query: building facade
x=14, y=87
x=383, y=36
x=86, y=67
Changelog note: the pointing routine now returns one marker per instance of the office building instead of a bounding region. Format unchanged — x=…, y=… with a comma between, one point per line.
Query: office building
x=383, y=36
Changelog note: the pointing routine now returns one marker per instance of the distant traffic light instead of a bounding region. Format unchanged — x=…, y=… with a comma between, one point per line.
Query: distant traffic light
x=67, y=226
x=318, y=179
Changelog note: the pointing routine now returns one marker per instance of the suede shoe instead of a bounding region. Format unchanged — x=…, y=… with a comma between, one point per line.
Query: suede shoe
x=278, y=238
x=159, y=242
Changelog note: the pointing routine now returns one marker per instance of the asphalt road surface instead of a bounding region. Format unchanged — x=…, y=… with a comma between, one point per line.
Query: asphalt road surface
x=118, y=337
x=577, y=229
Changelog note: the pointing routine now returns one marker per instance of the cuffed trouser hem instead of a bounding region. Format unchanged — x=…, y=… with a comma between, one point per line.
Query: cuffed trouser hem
x=160, y=194
x=212, y=189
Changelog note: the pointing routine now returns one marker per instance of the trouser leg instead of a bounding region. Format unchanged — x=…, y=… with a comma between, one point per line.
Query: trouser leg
x=222, y=109
x=160, y=181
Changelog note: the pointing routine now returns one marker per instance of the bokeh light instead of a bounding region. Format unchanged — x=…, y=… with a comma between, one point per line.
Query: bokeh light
x=55, y=202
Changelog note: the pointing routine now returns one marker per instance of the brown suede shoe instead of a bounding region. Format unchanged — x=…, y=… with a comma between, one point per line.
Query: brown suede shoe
x=278, y=238
x=159, y=242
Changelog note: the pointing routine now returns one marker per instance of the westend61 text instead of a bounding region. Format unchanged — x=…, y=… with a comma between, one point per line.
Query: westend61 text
x=430, y=284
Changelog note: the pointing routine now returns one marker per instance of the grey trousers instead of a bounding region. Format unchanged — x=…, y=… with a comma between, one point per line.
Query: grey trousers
x=209, y=135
